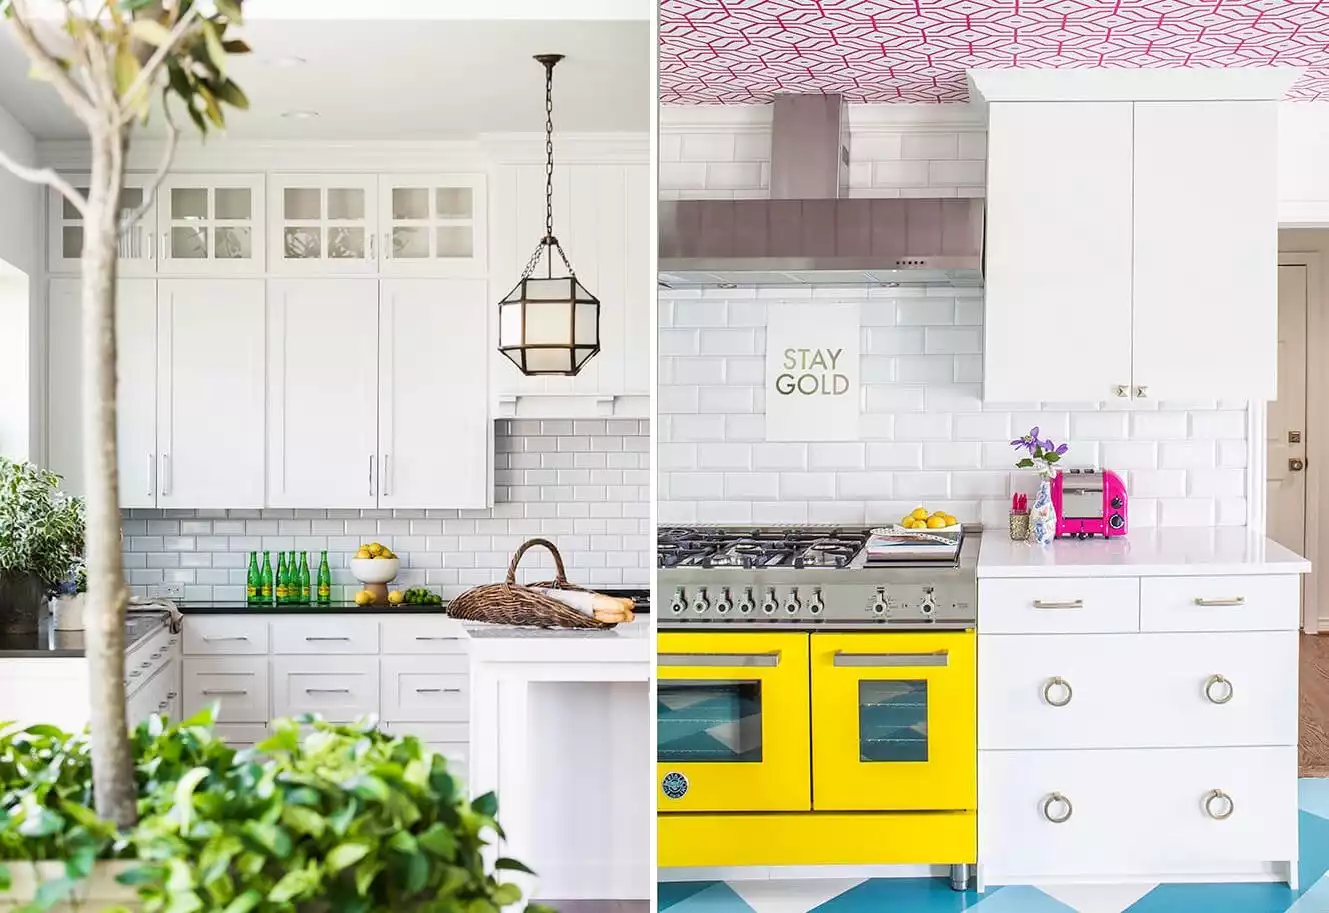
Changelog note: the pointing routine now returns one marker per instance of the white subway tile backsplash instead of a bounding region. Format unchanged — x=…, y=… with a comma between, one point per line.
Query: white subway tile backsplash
x=894, y=455
x=911, y=485
x=1216, y=425
x=751, y=486
x=1160, y=426
x=778, y=456
x=718, y=456
x=863, y=486
x=1187, y=454
x=929, y=145
x=981, y=426
x=807, y=486
x=1100, y=426
x=952, y=455
x=841, y=455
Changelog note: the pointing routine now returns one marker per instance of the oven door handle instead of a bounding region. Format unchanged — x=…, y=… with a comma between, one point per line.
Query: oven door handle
x=877, y=660
x=728, y=660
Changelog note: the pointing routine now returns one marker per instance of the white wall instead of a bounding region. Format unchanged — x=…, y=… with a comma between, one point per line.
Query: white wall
x=1303, y=178
x=20, y=329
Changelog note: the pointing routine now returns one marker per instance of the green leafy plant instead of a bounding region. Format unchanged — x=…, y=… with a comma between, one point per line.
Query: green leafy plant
x=41, y=527
x=347, y=819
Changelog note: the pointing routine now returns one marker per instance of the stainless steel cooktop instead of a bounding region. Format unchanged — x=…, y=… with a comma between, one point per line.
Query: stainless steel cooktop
x=809, y=577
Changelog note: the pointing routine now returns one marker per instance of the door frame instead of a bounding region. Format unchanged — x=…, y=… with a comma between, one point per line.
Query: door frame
x=1311, y=250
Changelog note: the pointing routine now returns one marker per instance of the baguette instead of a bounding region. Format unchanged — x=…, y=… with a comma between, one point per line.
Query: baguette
x=608, y=609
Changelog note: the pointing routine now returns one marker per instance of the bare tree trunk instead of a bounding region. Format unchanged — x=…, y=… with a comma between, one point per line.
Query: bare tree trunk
x=112, y=763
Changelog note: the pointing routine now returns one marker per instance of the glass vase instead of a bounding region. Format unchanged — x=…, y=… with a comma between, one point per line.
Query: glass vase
x=1042, y=515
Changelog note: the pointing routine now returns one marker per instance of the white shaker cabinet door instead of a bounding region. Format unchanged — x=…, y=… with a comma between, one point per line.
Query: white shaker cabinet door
x=323, y=393
x=1058, y=260
x=136, y=389
x=435, y=433
x=210, y=386
x=1206, y=250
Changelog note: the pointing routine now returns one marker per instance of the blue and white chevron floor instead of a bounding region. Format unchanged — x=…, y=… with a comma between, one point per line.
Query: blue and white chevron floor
x=933, y=895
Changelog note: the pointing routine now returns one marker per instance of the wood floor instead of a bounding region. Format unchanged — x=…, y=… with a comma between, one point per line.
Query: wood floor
x=1313, y=744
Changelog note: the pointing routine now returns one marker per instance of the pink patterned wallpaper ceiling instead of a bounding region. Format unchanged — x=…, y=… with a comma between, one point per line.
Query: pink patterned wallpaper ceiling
x=744, y=51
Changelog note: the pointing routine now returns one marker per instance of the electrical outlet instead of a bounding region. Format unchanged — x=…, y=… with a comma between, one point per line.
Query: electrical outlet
x=167, y=591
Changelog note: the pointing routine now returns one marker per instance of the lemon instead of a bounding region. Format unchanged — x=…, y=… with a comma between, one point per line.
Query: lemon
x=951, y=521
x=396, y=597
x=375, y=550
x=920, y=513
x=387, y=554
x=935, y=522
x=364, y=597
x=363, y=553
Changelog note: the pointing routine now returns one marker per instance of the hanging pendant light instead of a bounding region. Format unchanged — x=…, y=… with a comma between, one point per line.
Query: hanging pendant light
x=549, y=324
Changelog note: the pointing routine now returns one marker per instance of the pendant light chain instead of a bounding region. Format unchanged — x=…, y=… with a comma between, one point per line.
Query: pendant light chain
x=548, y=241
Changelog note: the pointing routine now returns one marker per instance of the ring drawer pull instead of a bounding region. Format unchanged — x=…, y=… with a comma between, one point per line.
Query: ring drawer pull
x=1057, y=682
x=1225, y=689
x=1057, y=799
x=1235, y=600
x=1067, y=604
x=1215, y=795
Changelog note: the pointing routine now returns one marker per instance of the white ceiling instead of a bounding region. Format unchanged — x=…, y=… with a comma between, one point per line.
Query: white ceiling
x=405, y=80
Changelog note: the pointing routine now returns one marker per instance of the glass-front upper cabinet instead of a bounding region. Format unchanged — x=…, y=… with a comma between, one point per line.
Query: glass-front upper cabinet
x=138, y=250
x=433, y=224
x=323, y=223
x=210, y=223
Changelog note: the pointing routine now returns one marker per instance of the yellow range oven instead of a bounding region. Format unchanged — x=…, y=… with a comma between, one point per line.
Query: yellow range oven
x=818, y=714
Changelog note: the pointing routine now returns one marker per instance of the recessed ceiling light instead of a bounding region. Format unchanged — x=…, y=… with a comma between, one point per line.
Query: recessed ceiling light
x=286, y=63
x=300, y=115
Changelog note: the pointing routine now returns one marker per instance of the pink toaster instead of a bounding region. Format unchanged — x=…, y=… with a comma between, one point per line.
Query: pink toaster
x=1089, y=502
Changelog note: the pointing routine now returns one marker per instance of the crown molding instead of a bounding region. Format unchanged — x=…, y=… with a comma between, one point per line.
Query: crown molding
x=569, y=148
x=863, y=118
x=1157, y=84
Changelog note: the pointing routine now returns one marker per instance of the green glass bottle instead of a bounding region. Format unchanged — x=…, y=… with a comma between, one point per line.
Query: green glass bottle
x=253, y=581
x=282, y=593
x=324, y=581
x=304, y=578
x=265, y=586
x=292, y=579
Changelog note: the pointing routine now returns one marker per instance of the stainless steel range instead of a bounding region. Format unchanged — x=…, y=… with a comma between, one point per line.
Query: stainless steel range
x=811, y=577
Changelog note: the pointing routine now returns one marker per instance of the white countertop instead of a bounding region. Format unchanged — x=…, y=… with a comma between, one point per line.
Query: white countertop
x=508, y=643
x=1163, y=552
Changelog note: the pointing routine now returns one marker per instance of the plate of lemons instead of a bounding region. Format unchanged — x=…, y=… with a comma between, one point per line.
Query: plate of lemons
x=920, y=518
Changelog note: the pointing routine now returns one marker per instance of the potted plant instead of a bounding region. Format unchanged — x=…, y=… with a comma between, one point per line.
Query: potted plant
x=345, y=819
x=41, y=538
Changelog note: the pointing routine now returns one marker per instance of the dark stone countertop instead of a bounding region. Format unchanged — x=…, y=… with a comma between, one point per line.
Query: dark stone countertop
x=48, y=643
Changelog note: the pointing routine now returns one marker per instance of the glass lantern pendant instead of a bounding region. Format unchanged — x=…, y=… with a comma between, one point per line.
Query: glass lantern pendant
x=549, y=324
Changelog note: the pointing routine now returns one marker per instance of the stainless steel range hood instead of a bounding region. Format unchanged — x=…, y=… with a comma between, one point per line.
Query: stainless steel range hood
x=805, y=233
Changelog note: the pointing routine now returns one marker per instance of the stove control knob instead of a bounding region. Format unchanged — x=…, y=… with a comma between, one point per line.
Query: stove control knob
x=745, y=605
x=679, y=602
x=768, y=604
x=929, y=603
x=815, y=604
x=879, y=601
x=724, y=603
x=699, y=602
x=791, y=605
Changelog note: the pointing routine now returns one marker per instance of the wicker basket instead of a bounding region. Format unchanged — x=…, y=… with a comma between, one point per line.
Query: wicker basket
x=510, y=603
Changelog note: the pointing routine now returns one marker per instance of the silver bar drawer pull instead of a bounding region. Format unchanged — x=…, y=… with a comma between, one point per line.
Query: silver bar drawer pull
x=327, y=691
x=1231, y=601
x=1067, y=604
x=217, y=640
x=313, y=639
x=438, y=691
x=750, y=660
x=879, y=660
x=426, y=637
x=220, y=692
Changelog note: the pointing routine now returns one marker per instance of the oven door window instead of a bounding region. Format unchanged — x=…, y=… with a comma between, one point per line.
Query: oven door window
x=892, y=720
x=709, y=721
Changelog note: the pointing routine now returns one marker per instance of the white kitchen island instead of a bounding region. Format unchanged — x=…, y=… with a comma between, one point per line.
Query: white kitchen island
x=561, y=731
x=1137, y=707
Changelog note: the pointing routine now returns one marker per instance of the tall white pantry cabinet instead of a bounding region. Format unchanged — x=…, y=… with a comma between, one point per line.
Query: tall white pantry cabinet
x=249, y=381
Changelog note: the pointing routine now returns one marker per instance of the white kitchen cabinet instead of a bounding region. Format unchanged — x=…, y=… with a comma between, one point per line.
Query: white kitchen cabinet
x=1205, y=250
x=320, y=224
x=1058, y=252
x=210, y=393
x=136, y=387
x=138, y=247
x=211, y=224
x=435, y=433
x=322, y=393
x=433, y=225
x=602, y=218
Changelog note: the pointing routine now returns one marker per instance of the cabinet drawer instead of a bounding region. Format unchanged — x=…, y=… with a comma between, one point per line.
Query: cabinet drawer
x=1134, y=812
x=423, y=634
x=430, y=732
x=1137, y=690
x=339, y=688
x=242, y=735
x=1071, y=605
x=225, y=634
x=239, y=684
x=325, y=635
x=1220, y=603
x=422, y=688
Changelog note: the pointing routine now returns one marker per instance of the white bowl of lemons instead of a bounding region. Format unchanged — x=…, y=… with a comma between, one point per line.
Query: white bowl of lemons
x=937, y=521
x=374, y=563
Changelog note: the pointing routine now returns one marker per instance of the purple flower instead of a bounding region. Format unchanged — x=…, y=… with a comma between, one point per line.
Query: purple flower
x=1062, y=449
x=1033, y=433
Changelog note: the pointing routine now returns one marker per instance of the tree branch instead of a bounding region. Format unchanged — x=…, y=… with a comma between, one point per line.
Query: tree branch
x=150, y=193
x=46, y=65
x=47, y=176
x=148, y=74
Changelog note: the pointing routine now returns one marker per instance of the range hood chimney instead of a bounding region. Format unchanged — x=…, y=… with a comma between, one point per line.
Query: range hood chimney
x=805, y=233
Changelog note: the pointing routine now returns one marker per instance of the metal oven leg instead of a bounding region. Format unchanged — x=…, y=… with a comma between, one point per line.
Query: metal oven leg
x=960, y=876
